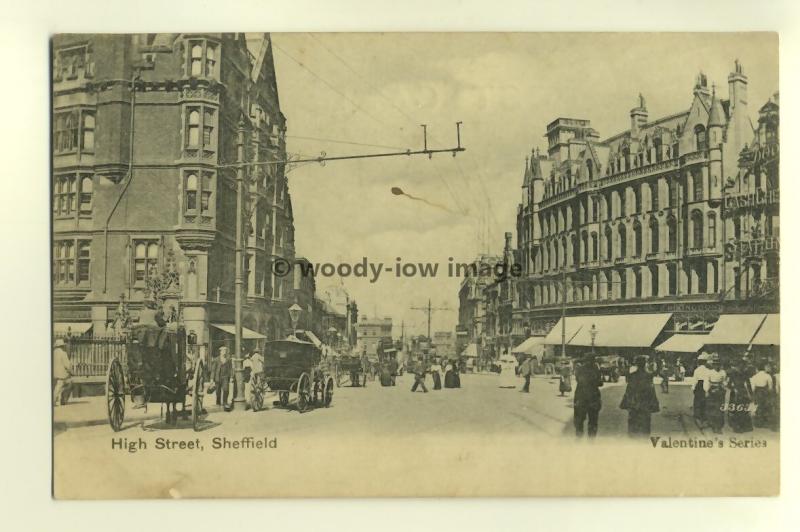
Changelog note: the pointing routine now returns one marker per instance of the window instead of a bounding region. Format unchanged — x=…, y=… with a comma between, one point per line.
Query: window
x=672, y=234
x=202, y=59
x=609, y=244
x=623, y=284
x=595, y=247
x=595, y=207
x=697, y=230
x=71, y=63
x=65, y=132
x=712, y=230
x=64, y=263
x=637, y=279
x=654, y=196
x=197, y=192
x=193, y=131
x=621, y=195
x=88, y=131
x=590, y=169
x=623, y=251
x=145, y=260
x=637, y=239
x=65, y=192
x=672, y=273
x=654, y=281
x=86, y=194
x=200, y=127
x=697, y=181
x=84, y=260
x=637, y=193
x=196, y=59
x=654, y=235
x=674, y=193
x=700, y=137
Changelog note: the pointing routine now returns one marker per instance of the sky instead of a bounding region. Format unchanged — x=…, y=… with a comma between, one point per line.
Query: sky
x=374, y=90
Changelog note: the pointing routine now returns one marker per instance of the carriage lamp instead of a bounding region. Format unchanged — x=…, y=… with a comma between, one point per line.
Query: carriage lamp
x=294, y=315
x=593, y=334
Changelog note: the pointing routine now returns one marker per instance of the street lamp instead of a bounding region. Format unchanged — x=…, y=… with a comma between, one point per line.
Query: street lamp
x=294, y=315
x=593, y=334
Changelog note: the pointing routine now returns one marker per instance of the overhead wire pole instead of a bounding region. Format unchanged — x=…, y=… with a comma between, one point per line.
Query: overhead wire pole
x=430, y=310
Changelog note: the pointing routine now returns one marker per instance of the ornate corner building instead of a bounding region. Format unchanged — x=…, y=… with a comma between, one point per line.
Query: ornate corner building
x=146, y=136
x=677, y=214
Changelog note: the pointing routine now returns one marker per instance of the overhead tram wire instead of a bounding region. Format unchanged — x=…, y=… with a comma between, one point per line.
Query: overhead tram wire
x=334, y=141
x=478, y=204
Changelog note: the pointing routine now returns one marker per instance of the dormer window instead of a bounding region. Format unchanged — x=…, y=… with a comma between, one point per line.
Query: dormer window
x=202, y=58
x=700, y=137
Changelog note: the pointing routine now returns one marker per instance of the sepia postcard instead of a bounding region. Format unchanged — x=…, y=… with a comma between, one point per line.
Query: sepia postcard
x=415, y=265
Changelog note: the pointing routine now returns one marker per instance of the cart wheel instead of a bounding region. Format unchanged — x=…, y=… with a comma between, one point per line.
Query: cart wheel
x=283, y=397
x=303, y=392
x=327, y=398
x=256, y=400
x=115, y=394
x=198, y=393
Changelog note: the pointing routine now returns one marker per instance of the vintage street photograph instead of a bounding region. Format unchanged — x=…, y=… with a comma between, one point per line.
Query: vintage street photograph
x=415, y=264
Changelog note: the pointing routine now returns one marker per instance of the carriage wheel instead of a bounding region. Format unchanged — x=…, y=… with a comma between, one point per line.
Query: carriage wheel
x=115, y=394
x=327, y=398
x=283, y=397
x=198, y=393
x=303, y=392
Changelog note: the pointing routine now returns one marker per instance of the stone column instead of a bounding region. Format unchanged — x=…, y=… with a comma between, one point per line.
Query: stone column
x=683, y=280
x=711, y=276
x=646, y=281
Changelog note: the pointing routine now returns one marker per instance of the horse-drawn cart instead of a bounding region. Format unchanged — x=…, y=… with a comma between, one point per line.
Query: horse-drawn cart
x=158, y=370
x=296, y=366
x=352, y=368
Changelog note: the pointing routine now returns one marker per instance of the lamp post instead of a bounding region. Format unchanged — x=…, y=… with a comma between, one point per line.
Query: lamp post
x=593, y=334
x=294, y=315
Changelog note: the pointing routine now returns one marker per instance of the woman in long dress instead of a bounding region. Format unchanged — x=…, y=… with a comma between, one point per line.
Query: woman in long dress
x=508, y=372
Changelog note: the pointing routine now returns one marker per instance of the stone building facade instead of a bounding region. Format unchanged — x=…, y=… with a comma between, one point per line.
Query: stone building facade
x=145, y=136
x=634, y=223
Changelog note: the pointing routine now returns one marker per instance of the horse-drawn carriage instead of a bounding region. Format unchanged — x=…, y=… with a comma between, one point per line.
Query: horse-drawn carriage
x=351, y=367
x=158, y=369
x=294, y=366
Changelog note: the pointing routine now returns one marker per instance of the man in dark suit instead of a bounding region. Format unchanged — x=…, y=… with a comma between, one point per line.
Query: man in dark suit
x=222, y=376
x=587, y=402
x=419, y=376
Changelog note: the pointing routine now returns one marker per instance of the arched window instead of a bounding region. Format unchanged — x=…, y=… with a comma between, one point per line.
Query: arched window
x=637, y=279
x=712, y=230
x=197, y=60
x=654, y=280
x=585, y=248
x=637, y=239
x=672, y=234
x=622, y=197
x=654, y=236
x=211, y=59
x=700, y=137
x=595, y=247
x=672, y=274
x=564, y=251
x=88, y=131
x=191, y=192
x=193, y=133
x=590, y=169
x=654, y=197
x=623, y=241
x=623, y=284
x=609, y=244
x=697, y=230
x=86, y=194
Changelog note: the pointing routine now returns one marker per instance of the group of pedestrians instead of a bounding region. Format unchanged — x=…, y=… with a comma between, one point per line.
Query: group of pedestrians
x=221, y=375
x=450, y=375
x=736, y=390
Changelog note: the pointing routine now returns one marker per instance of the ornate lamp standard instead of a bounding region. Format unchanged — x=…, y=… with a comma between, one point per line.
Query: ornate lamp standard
x=593, y=334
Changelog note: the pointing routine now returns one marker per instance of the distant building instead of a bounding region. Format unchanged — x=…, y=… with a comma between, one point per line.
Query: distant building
x=371, y=332
x=444, y=342
x=472, y=302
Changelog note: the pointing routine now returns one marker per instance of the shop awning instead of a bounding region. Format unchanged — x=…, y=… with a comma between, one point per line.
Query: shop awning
x=532, y=346
x=684, y=343
x=620, y=330
x=247, y=334
x=71, y=327
x=770, y=331
x=735, y=329
x=471, y=351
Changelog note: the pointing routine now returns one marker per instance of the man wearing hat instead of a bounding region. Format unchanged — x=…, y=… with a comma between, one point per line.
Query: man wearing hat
x=700, y=376
x=62, y=371
x=587, y=401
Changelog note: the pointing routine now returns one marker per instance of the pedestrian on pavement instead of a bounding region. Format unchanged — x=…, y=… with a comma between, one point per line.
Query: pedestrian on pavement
x=740, y=398
x=639, y=400
x=564, y=378
x=763, y=386
x=587, y=401
x=664, y=376
x=222, y=377
x=62, y=373
x=699, y=403
x=714, y=386
x=436, y=373
x=526, y=371
x=419, y=376
x=256, y=368
x=393, y=367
